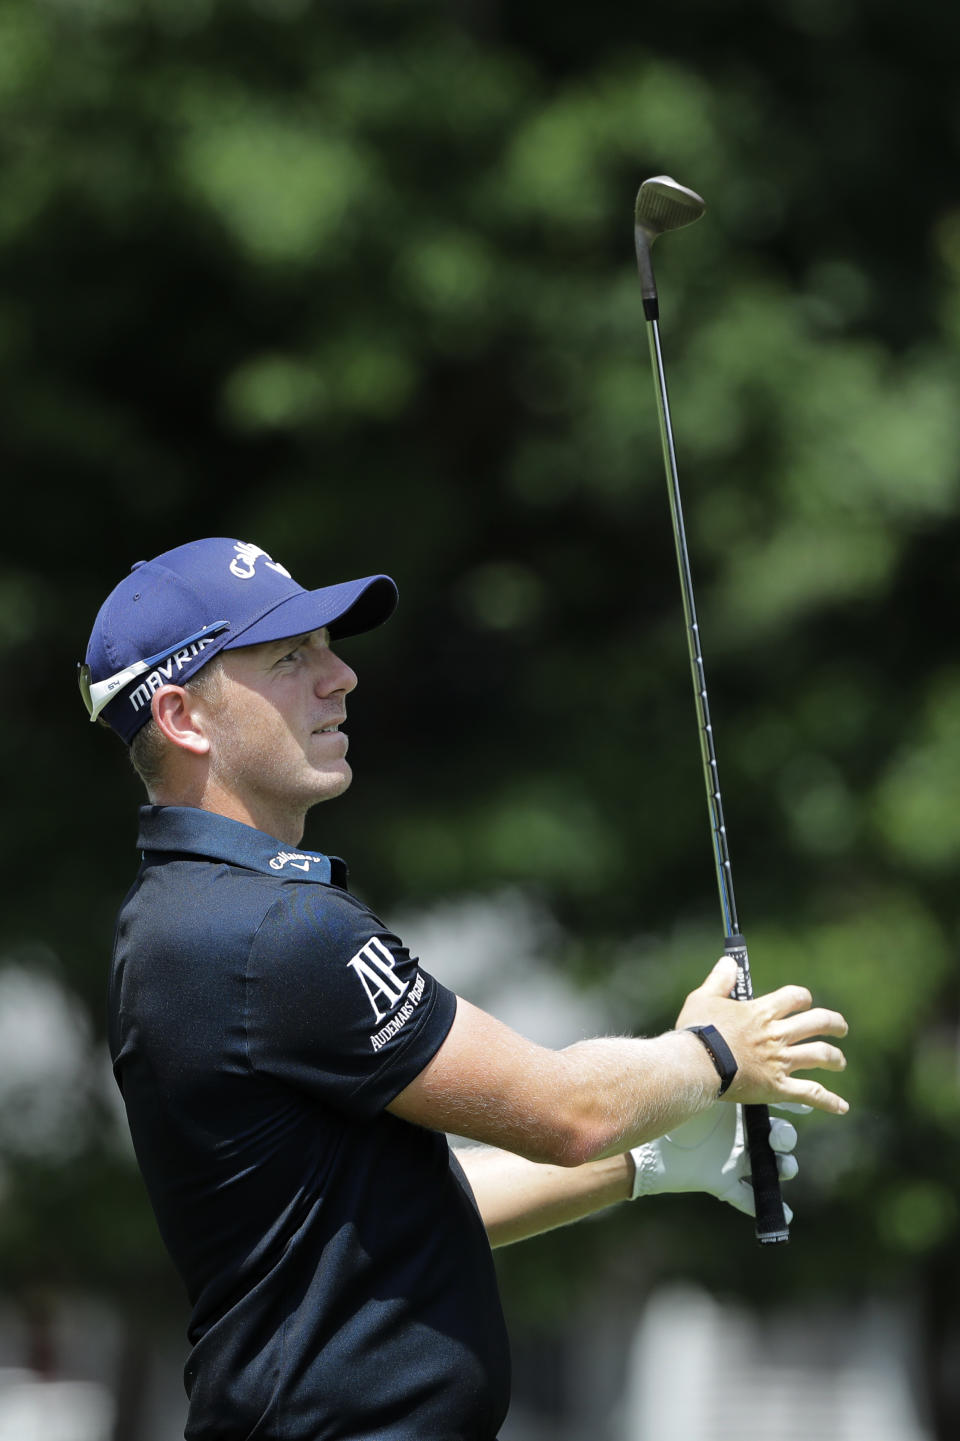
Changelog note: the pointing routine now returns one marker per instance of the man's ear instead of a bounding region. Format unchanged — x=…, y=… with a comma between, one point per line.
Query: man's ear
x=175, y=712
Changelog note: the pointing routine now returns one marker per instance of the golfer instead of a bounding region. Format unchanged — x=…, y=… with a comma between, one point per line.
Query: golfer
x=290, y=1070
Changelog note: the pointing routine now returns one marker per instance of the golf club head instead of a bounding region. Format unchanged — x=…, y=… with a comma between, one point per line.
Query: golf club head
x=662, y=204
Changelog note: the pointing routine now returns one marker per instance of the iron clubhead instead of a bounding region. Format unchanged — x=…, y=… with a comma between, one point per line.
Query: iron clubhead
x=663, y=204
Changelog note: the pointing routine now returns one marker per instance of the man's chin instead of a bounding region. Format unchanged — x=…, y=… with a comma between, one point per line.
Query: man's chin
x=332, y=784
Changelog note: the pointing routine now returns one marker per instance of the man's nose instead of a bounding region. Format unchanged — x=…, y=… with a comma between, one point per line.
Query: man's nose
x=335, y=675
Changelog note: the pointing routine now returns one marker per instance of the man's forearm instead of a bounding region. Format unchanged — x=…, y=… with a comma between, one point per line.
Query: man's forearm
x=634, y=1090
x=518, y=1198
x=599, y=1098
x=596, y=1098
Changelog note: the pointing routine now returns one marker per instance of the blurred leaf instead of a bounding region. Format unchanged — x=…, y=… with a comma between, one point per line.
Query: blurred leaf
x=916, y=800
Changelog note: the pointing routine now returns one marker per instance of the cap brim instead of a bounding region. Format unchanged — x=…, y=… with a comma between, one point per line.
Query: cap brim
x=350, y=608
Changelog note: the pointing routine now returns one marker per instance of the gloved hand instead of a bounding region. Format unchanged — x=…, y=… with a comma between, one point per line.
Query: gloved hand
x=708, y=1153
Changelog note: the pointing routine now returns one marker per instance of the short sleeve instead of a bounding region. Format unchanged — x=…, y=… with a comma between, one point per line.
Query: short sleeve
x=335, y=1003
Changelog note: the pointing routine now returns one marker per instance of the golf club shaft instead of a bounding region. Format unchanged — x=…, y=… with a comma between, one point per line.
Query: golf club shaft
x=771, y=1226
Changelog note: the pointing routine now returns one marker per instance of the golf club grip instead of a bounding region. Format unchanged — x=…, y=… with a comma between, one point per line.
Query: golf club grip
x=771, y=1222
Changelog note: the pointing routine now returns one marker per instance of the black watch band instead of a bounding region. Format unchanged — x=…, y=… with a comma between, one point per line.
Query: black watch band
x=719, y=1053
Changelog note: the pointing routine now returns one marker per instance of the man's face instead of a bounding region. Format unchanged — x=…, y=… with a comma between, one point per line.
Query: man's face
x=275, y=745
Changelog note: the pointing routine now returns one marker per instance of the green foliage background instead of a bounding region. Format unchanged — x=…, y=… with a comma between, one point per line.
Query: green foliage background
x=355, y=281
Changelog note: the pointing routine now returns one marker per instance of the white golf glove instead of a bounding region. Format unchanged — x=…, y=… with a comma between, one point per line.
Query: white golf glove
x=709, y=1154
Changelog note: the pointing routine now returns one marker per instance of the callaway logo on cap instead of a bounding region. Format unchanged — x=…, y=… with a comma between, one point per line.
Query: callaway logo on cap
x=171, y=615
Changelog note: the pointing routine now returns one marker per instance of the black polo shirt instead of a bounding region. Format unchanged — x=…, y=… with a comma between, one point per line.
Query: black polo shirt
x=261, y=1019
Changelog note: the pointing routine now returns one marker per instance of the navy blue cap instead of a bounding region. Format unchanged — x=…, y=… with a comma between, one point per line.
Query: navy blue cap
x=171, y=615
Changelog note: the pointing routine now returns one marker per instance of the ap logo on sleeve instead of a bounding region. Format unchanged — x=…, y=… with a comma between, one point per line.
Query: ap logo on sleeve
x=374, y=967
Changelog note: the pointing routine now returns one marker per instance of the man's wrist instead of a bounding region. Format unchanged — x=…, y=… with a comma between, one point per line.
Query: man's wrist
x=724, y=1061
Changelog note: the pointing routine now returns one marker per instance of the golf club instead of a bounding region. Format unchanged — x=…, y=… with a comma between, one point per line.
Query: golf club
x=662, y=205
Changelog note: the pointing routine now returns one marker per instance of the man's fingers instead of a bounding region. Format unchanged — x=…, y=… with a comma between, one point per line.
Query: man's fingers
x=786, y=1000
x=792, y=1088
x=818, y=1022
x=816, y=1056
x=723, y=977
x=746, y=1203
x=815, y=1095
x=787, y=1167
x=783, y=1138
x=783, y=1135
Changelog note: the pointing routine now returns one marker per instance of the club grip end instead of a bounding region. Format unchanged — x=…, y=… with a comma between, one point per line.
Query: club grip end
x=771, y=1221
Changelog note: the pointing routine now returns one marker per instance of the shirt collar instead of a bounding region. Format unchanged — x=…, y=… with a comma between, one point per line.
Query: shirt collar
x=187, y=830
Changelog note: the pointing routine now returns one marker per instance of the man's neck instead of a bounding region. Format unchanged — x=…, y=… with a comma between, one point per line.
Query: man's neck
x=286, y=828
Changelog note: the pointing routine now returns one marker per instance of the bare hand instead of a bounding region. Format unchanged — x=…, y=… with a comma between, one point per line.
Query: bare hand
x=771, y=1037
